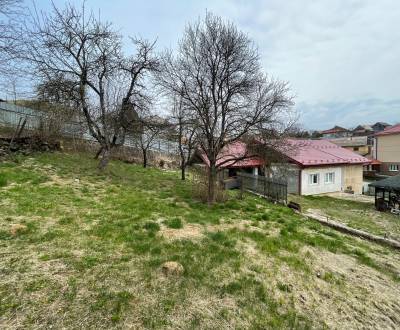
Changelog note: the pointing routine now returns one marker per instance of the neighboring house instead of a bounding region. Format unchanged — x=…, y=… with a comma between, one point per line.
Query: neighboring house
x=232, y=159
x=387, y=150
x=362, y=130
x=372, y=169
x=335, y=132
x=311, y=167
x=358, y=144
x=379, y=126
x=319, y=166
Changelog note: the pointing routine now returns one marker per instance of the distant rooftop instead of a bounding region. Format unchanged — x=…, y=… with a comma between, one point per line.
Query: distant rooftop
x=395, y=129
x=351, y=141
x=363, y=128
x=335, y=129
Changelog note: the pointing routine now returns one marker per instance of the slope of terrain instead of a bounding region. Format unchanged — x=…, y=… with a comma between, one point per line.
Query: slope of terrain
x=83, y=249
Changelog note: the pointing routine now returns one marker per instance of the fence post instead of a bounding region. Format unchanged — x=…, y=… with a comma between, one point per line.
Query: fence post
x=241, y=186
x=265, y=186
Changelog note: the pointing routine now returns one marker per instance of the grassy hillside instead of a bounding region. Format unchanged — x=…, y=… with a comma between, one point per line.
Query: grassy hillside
x=83, y=249
x=359, y=215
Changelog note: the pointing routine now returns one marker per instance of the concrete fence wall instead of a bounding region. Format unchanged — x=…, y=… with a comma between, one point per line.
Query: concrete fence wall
x=11, y=115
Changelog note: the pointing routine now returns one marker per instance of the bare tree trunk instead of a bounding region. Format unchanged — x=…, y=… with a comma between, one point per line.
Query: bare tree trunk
x=105, y=158
x=183, y=170
x=183, y=162
x=144, y=158
x=212, y=176
x=98, y=153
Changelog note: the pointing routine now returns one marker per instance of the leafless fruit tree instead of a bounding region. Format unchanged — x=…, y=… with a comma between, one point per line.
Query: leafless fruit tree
x=10, y=23
x=12, y=15
x=217, y=71
x=185, y=127
x=84, y=50
x=150, y=127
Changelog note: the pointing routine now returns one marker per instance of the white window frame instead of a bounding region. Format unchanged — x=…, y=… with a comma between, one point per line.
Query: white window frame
x=328, y=176
x=311, y=181
x=393, y=168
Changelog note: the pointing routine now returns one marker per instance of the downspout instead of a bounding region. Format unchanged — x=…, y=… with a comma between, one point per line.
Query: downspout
x=300, y=176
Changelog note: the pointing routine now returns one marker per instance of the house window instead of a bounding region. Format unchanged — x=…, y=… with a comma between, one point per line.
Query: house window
x=329, y=177
x=313, y=179
x=356, y=148
x=393, y=168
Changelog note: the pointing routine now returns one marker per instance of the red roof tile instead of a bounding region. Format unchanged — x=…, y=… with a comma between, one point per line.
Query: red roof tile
x=395, y=129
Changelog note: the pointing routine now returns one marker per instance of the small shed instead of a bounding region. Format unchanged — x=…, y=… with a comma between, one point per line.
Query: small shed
x=387, y=194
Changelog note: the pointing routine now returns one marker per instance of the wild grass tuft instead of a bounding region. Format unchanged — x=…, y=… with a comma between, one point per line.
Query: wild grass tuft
x=175, y=223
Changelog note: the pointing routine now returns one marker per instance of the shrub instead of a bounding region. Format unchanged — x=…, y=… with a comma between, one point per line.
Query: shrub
x=151, y=226
x=200, y=187
x=284, y=287
x=3, y=180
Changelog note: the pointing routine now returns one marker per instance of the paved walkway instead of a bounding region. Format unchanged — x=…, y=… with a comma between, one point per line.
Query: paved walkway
x=352, y=197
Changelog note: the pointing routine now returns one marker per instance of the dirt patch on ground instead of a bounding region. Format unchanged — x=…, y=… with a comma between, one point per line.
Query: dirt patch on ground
x=17, y=228
x=195, y=231
x=189, y=231
x=242, y=225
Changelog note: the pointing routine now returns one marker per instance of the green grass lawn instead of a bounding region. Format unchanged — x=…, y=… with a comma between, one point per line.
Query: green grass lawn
x=84, y=249
x=359, y=215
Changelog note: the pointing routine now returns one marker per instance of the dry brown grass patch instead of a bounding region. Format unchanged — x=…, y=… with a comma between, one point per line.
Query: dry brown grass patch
x=17, y=228
x=189, y=231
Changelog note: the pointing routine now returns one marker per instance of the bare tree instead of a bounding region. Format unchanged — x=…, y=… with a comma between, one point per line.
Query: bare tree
x=12, y=82
x=185, y=127
x=150, y=128
x=217, y=71
x=10, y=23
x=88, y=52
x=59, y=90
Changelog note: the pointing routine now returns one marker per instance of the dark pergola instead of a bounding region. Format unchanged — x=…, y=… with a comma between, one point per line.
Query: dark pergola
x=387, y=194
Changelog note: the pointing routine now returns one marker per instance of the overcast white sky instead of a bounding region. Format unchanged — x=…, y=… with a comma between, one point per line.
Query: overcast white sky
x=341, y=57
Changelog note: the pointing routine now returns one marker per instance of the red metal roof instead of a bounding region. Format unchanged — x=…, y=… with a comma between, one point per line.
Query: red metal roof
x=230, y=154
x=303, y=152
x=321, y=152
x=395, y=129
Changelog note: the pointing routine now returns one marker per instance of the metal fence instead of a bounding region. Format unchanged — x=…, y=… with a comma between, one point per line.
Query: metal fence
x=11, y=115
x=269, y=188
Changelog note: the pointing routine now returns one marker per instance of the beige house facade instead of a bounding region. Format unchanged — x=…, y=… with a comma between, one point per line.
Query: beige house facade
x=387, y=150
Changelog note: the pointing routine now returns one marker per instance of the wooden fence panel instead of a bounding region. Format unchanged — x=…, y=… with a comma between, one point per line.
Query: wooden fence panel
x=275, y=190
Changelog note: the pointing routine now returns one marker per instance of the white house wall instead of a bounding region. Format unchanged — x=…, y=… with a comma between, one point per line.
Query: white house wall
x=321, y=187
